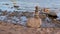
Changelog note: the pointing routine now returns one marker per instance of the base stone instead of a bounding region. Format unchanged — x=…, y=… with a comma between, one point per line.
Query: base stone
x=34, y=22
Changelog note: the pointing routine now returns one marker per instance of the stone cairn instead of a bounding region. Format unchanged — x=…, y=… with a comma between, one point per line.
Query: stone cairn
x=36, y=21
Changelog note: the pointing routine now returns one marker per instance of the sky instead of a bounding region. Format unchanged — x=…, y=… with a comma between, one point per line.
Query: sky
x=42, y=3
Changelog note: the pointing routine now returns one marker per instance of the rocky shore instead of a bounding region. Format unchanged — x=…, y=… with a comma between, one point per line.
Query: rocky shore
x=21, y=18
x=14, y=23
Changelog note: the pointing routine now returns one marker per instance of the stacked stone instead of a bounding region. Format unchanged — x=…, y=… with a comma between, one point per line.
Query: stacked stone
x=36, y=12
x=36, y=21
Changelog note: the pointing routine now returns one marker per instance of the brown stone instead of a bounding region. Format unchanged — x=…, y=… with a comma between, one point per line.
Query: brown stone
x=33, y=22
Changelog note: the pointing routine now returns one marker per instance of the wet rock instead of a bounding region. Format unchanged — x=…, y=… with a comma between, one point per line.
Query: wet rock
x=16, y=6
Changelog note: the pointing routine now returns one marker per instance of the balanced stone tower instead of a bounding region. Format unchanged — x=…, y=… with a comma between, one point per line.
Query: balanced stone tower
x=36, y=21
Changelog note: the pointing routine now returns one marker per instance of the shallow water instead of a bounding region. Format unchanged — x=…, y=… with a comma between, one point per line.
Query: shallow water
x=28, y=5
